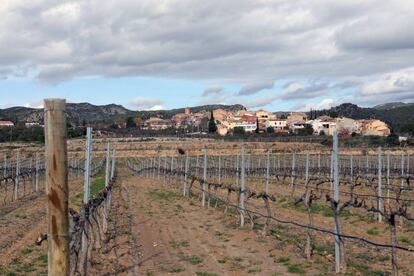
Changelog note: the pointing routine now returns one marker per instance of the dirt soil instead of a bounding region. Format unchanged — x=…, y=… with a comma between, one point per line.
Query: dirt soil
x=21, y=224
x=161, y=233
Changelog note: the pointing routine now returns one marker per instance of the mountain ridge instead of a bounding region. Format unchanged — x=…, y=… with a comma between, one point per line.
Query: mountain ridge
x=400, y=116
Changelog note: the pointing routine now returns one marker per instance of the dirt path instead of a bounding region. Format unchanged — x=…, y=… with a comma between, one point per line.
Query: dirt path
x=174, y=235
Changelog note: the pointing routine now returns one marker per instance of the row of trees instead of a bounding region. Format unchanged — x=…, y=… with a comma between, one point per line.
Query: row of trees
x=33, y=134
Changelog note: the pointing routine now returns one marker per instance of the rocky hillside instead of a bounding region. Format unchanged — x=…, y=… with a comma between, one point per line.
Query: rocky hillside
x=167, y=114
x=79, y=113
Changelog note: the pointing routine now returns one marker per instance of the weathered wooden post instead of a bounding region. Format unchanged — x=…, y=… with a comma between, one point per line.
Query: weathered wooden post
x=339, y=265
x=242, y=189
x=185, y=174
x=379, y=184
x=57, y=183
x=37, y=172
x=267, y=173
x=204, y=179
x=16, y=179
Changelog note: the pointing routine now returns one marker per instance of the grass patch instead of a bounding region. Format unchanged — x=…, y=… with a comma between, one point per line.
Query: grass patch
x=97, y=185
x=43, y=258
x=176, y=269
x=373, y=231
x=384, y=258
x=21, y=215
x=192, y=259
x=295, y=268
x=163, y=195
x=223, y=261
x=177, y=244
x=27, y=250
x=255, y=269
x=366, y=270
x=406, y=240
x=205, y=274
x=283, y=260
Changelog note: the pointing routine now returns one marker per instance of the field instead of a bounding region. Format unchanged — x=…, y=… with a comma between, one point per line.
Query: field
x=196, y=207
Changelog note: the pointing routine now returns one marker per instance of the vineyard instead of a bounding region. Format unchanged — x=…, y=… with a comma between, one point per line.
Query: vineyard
x=371, y=193
x=190, y=209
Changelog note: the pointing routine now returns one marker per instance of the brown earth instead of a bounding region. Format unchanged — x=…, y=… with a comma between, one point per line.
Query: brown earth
x=153, y=230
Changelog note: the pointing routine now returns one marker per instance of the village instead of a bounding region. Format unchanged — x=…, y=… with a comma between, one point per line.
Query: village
x=262, y=121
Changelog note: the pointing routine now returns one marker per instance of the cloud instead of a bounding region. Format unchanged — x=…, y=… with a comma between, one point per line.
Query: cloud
x=255, y=87
x=146, y=103
x=212, y=90
x=233, y=40
x=34, y=104
x=323, y=104
x=297, y=90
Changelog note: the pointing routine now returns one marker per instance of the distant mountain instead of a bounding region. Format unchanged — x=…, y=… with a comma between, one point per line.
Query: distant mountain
x=78, y=113
x=393, y=105
x=168, y=114
x=399, y=116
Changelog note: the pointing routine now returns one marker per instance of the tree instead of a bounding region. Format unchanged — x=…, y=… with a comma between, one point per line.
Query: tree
x=239, y=130
x=392, y=140
x=137, y=121
x=130, y=122
x=270, y=130
x=212, y=127
x=257, y=125
x=307, y=130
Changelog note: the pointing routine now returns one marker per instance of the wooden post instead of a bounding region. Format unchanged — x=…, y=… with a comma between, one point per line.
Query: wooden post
x=379, y=183
x=267, y=173
x=204, y=179
x=16, y=179
x=242, y=189
x=57, y=183
x=37, y=172
x=185, y=174
x=338, y=240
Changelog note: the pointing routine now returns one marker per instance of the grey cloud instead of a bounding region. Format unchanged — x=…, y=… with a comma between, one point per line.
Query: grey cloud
x=255, y=87
x=237, y=41
x=145, y=103
x=313, y=90
x=212, y=90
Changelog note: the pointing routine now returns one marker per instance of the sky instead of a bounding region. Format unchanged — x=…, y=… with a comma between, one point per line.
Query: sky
x=272, y=54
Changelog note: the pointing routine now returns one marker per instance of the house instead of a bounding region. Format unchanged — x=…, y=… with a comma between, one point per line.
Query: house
x=323, y=125
x=262, y=118
x=180, y=120
x=249, y=118
x=276, y=124
x=6, y=124
x=156, y=123
x=295, y=117
x=32, y=124
x=372, y=127
x=263, y=115
x=345, y=126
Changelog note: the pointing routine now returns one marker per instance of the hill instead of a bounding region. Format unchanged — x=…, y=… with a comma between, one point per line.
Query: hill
x=399, y=116
x=80, y=113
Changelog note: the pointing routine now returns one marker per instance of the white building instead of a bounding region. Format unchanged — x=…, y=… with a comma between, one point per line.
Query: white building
x=323, y=125
x=6, y=124
x=277, y=124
